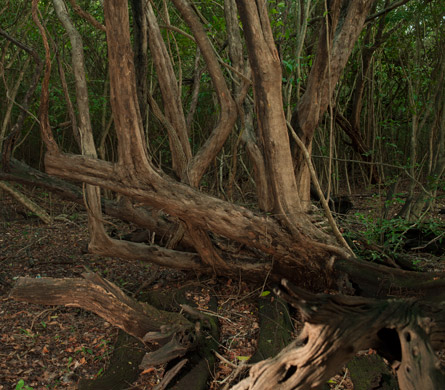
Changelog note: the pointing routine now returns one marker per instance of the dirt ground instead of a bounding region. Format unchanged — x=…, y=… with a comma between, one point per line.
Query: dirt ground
x=53, y=347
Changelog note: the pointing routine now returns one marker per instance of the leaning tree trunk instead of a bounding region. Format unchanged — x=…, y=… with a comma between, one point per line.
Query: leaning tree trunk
x=342, y=26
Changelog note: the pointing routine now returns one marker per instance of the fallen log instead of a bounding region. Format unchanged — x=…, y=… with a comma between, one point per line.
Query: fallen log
x=337, y=327
x=166, y=335
x=105, y=299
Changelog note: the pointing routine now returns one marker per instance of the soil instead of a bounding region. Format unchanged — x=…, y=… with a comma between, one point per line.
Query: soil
x=53, y=347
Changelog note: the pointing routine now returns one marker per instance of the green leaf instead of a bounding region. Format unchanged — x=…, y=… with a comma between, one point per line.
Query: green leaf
x=243, y=358
x=20, y=384
x=265, y=293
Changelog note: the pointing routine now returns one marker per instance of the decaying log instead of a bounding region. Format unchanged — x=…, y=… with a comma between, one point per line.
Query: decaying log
x=176, y=335
x=377, y=281
x=337, y=327
x=104, y=299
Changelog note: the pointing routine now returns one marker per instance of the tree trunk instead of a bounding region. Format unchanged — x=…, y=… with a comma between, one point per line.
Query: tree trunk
x=140, y=31
x=343, y=24
x=272, y=128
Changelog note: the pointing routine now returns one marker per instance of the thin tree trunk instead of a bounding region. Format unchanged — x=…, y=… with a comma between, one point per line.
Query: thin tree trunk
x=272, y=129
x=336, y=41
x=87, y=146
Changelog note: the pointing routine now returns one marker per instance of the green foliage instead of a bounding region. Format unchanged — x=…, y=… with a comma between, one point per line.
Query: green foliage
x=389, y=234
x=22, y=386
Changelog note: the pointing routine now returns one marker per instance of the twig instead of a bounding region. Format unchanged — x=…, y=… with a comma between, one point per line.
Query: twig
x=238, y=368
x=224, y=360
x=325, y=205
x=170, y=375
x=429, y=242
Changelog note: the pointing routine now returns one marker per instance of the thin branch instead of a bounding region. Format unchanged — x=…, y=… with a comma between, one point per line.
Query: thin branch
x=386, y=10
x=45, y=127
x=178, y=30
x=25, y=201
x=383, y=165
x=324, y=203
x=89, y=18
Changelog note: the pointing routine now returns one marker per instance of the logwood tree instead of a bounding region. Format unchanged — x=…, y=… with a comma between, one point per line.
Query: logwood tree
x=279, y=238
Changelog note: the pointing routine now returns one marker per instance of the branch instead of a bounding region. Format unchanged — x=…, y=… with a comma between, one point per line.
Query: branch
x=89, y=18
x=45, y=127
x=386, y=10
x=314, y=179
x=228, y=115
x=192, y=38
x=28, y=203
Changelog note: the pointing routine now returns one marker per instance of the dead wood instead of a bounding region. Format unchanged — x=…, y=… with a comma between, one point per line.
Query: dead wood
x=378, y=281
x=102, y=298
x=337, y=327
x=173, y=332
x=25, y=201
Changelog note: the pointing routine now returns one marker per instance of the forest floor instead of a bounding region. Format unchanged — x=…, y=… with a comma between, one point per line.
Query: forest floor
x=52, y=347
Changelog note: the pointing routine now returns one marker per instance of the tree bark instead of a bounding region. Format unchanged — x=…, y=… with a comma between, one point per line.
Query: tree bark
x=102, y=298
x=171, y=95
x=337, y=327
x=272, y=129
x=140, y=33
x=95, y=225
